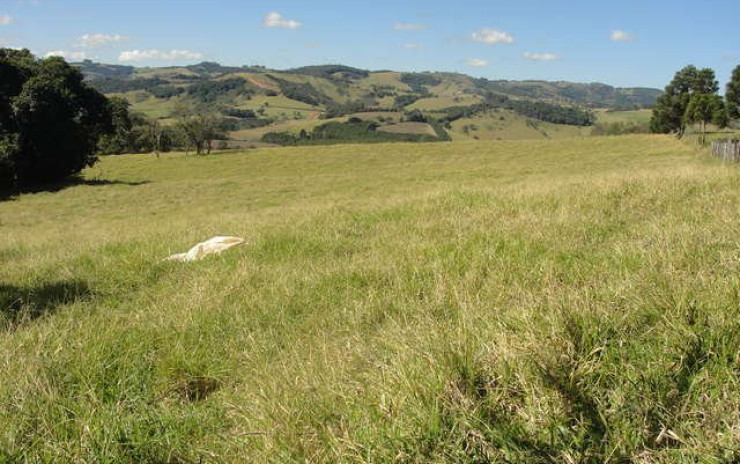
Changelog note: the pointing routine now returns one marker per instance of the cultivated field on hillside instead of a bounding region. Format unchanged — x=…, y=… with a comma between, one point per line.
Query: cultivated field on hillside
x=507, y=125
x=635, y=117
x=409, y=128
x=527, y=302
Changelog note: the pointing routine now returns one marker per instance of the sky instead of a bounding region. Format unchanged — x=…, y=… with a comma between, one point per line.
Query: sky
x=624, y=43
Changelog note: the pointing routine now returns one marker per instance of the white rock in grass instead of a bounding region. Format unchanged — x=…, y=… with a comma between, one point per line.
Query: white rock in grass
x=213, y=246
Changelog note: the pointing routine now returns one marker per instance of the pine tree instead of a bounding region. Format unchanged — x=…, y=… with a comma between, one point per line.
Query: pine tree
x=704, y=109
x=732, y=95
x=670, y=108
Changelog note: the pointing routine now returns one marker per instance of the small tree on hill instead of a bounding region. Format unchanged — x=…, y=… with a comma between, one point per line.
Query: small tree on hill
x=732, y=95
x=155, y=134
x=199, y=131
x=705, y=109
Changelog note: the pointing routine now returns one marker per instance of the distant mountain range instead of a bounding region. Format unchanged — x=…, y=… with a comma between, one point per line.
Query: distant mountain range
x=295, y=99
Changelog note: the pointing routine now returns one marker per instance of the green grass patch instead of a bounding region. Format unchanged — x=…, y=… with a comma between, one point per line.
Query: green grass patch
x=539, y=301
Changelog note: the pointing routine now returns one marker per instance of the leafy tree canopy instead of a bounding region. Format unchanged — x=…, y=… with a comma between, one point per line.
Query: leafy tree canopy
x=670, y=108
x=706, y=108
x=50, y=119
x=732, y=95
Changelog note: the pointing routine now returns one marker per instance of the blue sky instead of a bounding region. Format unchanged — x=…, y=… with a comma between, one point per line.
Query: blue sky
x=623, y=43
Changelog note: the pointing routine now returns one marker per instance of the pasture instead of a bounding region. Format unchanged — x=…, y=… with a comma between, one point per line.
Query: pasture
x=634, y=117
x=514, y=301
x=508, y=125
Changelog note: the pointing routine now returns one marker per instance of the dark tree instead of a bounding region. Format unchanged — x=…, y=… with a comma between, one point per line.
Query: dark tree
x=414, y=116
x=120, y=140
x=50, y=120
x=732, y=95
x=704, y=109
x=670, y=108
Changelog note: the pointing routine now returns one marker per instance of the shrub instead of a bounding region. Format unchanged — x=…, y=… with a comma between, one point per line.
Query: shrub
x=279, y=138
x=239, y=113
x=123, y=85
x=302, y=92
x=419, y=81
x=166, y=91
x=211, y=91
x=414, y=116
x=403, y=101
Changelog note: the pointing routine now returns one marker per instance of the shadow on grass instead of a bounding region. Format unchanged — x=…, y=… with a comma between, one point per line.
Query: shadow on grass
x=67, y=183
x=19, y=305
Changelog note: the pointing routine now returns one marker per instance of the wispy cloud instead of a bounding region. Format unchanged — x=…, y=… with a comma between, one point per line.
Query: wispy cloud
x=412, y=46
x=148, y=55
x=100, y=40
x=409, y=27
x=275, y=19
x=67, y=55
x=621, y=36
x=492, y=37
x=540, y=56
x=5, y=19
x=476, y=62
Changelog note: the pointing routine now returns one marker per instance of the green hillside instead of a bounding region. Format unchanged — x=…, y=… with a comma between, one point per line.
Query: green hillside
x=331, y=93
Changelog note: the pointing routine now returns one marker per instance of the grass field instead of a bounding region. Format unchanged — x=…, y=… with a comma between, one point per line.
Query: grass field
x=280, y=106
x=420, y=128
x=634, y=117
x=389, y=116
x=151, y=107
x=508, y=125
x=568, y=301
x=293, y=126
x=440, y=103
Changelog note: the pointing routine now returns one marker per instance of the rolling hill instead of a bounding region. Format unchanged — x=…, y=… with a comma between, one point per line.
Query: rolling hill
x=256, y=100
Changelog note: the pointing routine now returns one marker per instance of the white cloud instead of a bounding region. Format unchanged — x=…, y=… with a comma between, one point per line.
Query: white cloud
x=100, y=40
x=412, y=46
x=67, y=55
x=476, y=62
x=409, y=27
x=5, y=19
x=275, y=19
x=492, y=36
x=540, y=56
x=146, y=55
x=621, y=36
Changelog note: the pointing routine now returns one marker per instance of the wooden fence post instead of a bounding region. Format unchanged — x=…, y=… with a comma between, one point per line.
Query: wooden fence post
x=727, y=150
